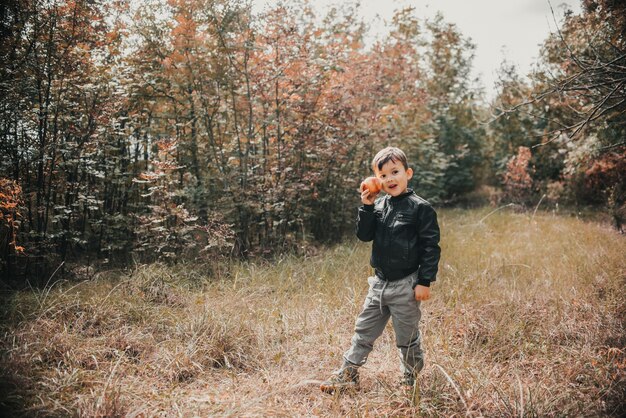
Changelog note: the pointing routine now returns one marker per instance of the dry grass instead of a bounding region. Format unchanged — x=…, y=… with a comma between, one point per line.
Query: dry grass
x=527, y=320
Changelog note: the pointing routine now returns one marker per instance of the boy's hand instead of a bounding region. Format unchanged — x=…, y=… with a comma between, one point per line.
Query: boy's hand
x=366, y=197
x=422, y=292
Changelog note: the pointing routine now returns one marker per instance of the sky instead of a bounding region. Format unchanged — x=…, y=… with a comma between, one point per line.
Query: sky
x=500, y=29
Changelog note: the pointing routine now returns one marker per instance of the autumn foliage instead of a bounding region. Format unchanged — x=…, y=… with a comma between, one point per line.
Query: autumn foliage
x=169, y=129
x=159, y=130
x=10, y=220
x=571, y=111
x=518, y=182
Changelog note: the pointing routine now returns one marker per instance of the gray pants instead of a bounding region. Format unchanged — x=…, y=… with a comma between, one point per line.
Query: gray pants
x=389, y=299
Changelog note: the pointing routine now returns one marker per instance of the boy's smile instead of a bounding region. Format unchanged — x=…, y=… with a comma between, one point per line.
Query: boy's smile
x=394, y=177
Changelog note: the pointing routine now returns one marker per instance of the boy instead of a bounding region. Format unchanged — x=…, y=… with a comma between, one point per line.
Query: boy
x=405, y=256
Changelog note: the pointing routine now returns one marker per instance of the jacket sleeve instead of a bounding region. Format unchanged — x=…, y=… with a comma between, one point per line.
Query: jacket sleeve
x=366, y=223
x=428, y=230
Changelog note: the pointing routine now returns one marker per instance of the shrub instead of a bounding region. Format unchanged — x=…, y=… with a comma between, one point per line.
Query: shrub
x=10, y=201
x=518, y=183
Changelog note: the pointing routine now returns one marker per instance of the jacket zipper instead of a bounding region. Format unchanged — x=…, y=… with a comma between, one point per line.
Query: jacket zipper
x=387, y=234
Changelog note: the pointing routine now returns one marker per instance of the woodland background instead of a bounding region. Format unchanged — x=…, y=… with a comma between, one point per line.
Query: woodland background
x=193, y=129
x=178, y=188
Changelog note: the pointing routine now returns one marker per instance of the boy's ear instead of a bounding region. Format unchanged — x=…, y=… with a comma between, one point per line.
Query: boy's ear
x=409, y=173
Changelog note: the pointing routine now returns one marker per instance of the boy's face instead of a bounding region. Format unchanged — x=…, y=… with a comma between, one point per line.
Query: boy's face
x=394, y=177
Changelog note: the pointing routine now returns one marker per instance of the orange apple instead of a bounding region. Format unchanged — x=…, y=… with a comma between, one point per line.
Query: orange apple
x=373, y=184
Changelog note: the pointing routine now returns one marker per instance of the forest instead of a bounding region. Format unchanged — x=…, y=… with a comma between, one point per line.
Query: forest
x=192, y=129
x=163, y=155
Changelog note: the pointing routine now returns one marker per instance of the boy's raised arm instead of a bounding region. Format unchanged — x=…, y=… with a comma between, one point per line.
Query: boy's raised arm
x=366, y=223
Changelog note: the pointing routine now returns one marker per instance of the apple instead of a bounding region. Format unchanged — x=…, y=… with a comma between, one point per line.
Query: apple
x=373, y=184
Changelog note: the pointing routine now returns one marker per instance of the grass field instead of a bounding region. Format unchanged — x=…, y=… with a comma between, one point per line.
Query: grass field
x=527, y=319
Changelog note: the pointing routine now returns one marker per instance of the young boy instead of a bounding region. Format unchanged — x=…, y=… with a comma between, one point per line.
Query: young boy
x=405, y=257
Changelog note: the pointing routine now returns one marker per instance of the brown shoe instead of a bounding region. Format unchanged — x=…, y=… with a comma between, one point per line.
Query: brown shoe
x=343, y=379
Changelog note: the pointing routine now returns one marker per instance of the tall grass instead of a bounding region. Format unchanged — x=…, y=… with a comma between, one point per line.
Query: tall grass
x=527, y=319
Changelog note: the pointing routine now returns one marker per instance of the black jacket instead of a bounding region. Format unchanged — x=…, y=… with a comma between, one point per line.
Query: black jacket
x=406, y=237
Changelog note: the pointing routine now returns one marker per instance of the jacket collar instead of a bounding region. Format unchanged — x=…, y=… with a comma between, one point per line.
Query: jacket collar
x=400, y=197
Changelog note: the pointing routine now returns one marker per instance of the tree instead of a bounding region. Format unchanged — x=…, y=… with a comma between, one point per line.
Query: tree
x=573, y=112
x=583, y=78
x=166, y=127
x=55, y=96
x=448, y=162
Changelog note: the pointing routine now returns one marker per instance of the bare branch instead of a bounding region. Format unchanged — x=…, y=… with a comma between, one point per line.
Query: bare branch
x=596, y=109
